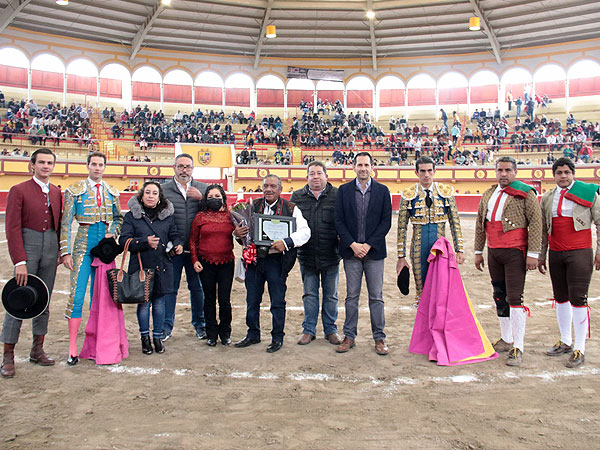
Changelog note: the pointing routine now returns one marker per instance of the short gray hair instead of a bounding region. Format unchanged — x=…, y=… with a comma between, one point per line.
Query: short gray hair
x=272, y=175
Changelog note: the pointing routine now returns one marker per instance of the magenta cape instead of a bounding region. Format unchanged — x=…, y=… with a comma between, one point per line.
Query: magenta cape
x=105, y=335
x=446, y=328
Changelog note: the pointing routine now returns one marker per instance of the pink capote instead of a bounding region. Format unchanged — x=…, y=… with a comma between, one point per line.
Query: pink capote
x=105, y=335
x=446, y=329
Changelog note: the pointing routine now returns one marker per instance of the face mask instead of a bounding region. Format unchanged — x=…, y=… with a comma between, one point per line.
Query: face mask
x=214, y=203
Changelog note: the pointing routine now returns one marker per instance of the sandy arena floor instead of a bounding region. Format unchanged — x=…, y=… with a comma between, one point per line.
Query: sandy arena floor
x=306, y=397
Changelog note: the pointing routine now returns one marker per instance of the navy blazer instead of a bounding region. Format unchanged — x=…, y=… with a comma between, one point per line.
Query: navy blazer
x=378, y=222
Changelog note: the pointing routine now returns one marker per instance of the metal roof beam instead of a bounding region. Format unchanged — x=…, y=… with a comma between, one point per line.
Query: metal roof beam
x=138, y=40
x=261, y=36
x=8, y=14
x=372, y=31
x=488, y=30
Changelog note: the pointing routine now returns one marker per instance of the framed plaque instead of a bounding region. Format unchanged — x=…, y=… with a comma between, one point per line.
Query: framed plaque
x=268, y=229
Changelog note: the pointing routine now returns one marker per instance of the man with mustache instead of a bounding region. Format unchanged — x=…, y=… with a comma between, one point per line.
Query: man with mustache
x=510, y=220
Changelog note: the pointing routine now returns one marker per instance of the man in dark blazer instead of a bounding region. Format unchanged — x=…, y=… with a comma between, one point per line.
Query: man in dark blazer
x=363, y=217
x=33, y=214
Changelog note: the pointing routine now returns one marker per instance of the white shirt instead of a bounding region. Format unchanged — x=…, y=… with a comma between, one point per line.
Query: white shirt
x=183, y=189
x=492, y=203
x=567, y=205
x=93, y=184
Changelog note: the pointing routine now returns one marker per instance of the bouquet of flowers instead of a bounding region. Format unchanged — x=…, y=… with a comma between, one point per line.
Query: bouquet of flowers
x=241, y=213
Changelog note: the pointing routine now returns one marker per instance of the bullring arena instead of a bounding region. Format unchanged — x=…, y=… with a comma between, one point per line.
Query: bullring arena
x=408, y=61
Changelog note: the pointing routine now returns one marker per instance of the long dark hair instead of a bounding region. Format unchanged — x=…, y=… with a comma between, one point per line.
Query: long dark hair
x=162, y=200
x=210, y=187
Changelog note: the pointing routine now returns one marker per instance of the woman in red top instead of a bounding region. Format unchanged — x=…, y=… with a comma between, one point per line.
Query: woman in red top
x=211, y=249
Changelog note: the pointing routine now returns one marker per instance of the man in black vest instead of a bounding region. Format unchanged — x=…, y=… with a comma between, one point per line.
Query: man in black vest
x=273, y=265
x=185, y=193
x=319, y=258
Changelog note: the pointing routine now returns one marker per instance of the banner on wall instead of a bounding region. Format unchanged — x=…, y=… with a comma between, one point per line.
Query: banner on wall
x=208, y=155
x=315, y=74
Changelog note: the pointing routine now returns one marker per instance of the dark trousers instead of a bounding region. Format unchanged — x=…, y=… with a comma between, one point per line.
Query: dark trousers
x=216, y=283
x=571, y=273
x=270, y=271
x=508, y=265
x=42, y=252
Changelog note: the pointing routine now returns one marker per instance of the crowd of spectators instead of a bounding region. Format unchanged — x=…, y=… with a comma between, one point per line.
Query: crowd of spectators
x=50, y=122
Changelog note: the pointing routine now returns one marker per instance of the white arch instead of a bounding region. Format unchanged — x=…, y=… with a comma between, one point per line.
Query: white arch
x=13, y=57
x=484, y=78
x=82, y=67
x=179, y=77
x=146, y=74
x=239, y=80
x=516, y=75
x=585, y=68
x=360, y=83
x=209, y=79
x=421, y=81
x=115, y=71
x=390, y=82
x=452, y=80
x=326, y=85
x=48, y=63
x=550, y=72
x=299, y=84
x=270, y=82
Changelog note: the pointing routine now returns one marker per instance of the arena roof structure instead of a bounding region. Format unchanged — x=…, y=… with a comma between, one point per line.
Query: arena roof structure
x=312, y=29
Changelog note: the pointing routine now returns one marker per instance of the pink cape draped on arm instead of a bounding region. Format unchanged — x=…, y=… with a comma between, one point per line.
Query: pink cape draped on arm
x=105, y=335
x=446, y=328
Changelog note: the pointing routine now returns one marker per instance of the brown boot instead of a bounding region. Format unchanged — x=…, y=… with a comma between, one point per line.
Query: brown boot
x=37, y=354
x=7, y=370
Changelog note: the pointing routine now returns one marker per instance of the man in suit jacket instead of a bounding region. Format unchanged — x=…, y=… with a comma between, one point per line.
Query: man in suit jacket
x=510, y=220
x=363, y=217
x=33, y=214
x=568, y=212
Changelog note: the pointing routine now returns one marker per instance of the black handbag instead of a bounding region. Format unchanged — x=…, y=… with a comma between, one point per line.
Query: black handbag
x=130, y=288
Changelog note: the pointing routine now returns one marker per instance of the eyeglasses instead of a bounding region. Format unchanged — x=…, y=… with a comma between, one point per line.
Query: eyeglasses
x=182, y=167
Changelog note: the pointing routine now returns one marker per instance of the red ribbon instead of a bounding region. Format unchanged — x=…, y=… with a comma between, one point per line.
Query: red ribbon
x=249, y=254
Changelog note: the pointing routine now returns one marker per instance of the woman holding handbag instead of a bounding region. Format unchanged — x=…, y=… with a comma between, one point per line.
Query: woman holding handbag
x=150, y=224
x=211, y=250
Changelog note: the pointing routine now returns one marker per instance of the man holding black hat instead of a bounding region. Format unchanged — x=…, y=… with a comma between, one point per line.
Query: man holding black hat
x=33, y=216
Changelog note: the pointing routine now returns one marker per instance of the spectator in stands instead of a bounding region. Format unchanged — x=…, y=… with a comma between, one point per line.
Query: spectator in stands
x=518, y=104
x=2, y=100
x=444, y=117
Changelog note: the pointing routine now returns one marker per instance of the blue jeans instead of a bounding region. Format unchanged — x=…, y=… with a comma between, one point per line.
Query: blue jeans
x=196, y=293
x=328, y=279
x=255, y=288
x=158, y=317
x=373, y=272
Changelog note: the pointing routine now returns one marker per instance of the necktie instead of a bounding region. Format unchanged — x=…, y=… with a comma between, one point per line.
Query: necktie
x=428, y=199
x=560, y=202
x=98, y=198
x=496, y=205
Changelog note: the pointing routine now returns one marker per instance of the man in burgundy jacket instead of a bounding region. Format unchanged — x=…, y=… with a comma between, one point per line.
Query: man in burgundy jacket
x=33, y=213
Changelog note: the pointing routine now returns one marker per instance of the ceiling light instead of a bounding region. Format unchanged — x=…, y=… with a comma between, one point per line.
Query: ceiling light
x=474, y=24
x=370, y=14
x=166, y=2
x=271, y=32
x=62, y=2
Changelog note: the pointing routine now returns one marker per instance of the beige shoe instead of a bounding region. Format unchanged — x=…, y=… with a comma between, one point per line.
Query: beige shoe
x=502, y=346
x=515, y=357
x=575, y=360
x=559, y=348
